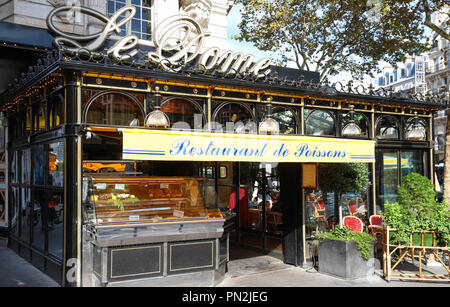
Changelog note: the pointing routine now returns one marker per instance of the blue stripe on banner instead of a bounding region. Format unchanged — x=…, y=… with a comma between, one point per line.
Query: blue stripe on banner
x=143, y=150
x=144, y=153
x=362, y=155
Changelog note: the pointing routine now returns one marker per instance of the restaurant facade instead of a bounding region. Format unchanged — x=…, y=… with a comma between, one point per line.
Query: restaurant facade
x=144, y=165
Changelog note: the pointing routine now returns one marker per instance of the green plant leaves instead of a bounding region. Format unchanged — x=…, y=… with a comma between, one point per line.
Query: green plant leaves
x=363, y=240
x=417, y=210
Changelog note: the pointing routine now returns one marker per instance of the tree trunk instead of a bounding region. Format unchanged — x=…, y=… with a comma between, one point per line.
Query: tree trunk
x=338, y=208
x=446, y=193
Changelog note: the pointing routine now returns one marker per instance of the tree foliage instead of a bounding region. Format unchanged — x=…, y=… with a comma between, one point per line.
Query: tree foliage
x=411, y=13
x=330, y=36
x=343, y=177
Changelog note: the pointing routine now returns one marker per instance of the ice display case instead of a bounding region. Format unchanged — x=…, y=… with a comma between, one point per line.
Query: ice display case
x=142, y=228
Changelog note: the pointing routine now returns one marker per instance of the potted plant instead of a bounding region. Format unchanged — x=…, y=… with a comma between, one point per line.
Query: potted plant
x=346, y=254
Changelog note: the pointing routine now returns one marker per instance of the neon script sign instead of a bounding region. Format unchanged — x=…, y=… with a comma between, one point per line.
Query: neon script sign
x=178, y=40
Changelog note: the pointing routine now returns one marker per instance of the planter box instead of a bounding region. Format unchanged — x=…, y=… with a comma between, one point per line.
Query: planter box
x=343, y=259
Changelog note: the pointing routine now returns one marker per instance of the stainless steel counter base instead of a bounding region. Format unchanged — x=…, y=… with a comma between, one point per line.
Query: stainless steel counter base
x=197, y=279
x=166, y=254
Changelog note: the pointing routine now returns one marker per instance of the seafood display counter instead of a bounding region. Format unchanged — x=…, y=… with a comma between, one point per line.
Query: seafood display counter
x=150, y=231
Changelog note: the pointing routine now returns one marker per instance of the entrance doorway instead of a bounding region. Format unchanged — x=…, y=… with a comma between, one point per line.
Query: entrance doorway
x=264, y=206
x=260, y=214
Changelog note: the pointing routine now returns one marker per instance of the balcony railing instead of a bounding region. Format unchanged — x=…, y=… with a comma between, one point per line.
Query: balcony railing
x=437, y=68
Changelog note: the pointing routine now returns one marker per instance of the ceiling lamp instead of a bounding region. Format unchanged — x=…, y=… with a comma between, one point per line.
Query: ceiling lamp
x=416, y=134
x=351, y=129
x=269, y=125
x=157, y=118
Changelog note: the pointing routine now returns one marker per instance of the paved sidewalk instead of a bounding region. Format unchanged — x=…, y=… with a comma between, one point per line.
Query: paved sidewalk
x=250, y=269
x=17, y=272
x=247, y=269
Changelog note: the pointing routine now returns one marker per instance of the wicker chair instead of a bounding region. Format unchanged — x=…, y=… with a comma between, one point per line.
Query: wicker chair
x=354, y=223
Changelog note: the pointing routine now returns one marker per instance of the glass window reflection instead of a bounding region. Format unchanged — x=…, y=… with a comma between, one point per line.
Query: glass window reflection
x=28, y=216
x=56, y=164
x=390, y=176
x=387, y=128
x=14, y=213
x=412, y=162
x=319, y=122
x=235, y=117
x=286, y=119
x=183, y=113
x=39, y=159
x=40, y=215
x=114, y=109
x=26, y=166
x=55, y=224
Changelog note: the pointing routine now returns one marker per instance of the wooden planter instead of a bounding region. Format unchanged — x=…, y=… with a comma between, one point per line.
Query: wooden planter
x=343, y=259
x=423, y=243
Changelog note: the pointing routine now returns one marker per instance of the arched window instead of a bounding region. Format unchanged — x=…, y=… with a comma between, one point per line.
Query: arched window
x=422, y=125
x=183, y=113
x=235, y=117
x=286, y=118
x=387, y=128
x=360, y=119
x=319, y=122
x=115, y=109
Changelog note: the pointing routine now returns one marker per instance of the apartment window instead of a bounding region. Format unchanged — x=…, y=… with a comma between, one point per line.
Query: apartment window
x=141, y=23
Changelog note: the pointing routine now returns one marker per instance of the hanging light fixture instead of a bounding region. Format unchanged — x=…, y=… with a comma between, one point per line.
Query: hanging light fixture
x=269, y=125
x=157, y=118
x=351, y=129
x=416, y=134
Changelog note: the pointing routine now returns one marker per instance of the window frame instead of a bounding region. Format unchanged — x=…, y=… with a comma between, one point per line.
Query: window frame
x=138, y=16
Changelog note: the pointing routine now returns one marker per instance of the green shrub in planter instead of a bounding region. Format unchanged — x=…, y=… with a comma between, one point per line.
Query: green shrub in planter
x=417, y=211
x=363, y=240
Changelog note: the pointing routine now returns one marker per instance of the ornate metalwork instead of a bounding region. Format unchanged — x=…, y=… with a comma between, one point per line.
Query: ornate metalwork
x=55, y=58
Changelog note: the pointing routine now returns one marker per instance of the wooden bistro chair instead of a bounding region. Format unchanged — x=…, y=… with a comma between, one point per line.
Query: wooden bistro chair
x=320, y=215
x=274, y=220
x=354, y=223
x=376, y=229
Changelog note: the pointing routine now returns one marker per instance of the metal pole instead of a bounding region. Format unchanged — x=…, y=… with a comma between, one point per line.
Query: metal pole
x=264, y=221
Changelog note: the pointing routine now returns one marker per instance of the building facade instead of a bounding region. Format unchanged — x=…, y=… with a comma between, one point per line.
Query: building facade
x=427, y=74
x=137, y=163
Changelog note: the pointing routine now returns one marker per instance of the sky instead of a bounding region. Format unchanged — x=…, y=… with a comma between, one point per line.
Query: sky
x=233, y=20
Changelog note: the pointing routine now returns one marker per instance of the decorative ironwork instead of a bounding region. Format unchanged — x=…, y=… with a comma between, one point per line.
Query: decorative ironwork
x=56, y=58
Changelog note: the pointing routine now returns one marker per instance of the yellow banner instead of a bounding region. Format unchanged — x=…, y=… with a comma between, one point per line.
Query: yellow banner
x=168, y=145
